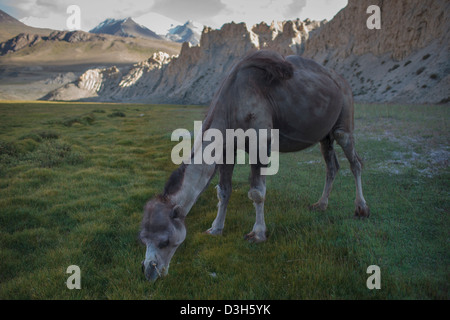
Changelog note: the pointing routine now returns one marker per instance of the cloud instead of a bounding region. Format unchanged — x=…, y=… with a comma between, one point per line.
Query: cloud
x=294, y=8
x=214, y=13
x=38, y=8
x=256, y=11
x=322, y=9
x=183, y=10
x=52, y=14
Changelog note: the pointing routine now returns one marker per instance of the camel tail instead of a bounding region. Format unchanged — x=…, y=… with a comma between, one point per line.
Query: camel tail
x=274, y=65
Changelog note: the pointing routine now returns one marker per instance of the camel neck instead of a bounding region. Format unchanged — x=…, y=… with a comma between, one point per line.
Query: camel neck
x=197, y=174
x=195, y=180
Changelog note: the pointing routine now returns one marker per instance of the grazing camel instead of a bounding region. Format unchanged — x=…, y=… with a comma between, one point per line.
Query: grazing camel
x=306, y=102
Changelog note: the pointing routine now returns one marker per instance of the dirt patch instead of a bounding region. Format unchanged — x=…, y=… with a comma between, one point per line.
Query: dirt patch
x=426, y=154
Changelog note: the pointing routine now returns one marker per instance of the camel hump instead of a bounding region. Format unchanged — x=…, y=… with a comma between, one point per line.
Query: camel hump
x=274, y=65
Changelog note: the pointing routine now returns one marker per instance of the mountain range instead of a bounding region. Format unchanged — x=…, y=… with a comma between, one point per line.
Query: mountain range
x=406, y=61
x=113, y=41
x=36, y=60
x=124, y=28
x=20, y=43
x=187, y=32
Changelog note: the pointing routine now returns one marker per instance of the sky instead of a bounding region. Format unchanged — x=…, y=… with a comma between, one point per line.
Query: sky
x=156, y=13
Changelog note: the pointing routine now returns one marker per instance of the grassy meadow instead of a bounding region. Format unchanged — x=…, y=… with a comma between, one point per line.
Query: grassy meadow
x=75, y=176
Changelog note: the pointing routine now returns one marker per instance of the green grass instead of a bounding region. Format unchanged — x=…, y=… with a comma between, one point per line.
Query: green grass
x=75, y=176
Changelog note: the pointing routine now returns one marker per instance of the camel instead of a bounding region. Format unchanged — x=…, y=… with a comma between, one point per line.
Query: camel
x=306, y=102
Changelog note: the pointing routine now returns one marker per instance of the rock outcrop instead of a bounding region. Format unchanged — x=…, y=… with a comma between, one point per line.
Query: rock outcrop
x=20, y=41
x=111, y=82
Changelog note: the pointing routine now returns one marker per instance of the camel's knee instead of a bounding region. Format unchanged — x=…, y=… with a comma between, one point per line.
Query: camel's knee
x=223, y=194
x=356, y=167
x=355, y=163
x=331, y=174
x=256, y=195
x=345, y=140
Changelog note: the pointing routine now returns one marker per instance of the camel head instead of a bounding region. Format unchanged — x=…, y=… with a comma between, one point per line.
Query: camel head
x=162, y=232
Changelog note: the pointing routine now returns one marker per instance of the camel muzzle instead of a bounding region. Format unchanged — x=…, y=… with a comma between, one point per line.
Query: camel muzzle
x=151, y=270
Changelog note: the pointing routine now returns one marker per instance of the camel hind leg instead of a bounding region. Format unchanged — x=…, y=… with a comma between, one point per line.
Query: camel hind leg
x=347, y=142
x=343, y=134
x=257, y=194
x=332, y=164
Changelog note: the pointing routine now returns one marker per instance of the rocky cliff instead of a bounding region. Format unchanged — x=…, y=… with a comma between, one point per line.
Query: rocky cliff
x=406, y=61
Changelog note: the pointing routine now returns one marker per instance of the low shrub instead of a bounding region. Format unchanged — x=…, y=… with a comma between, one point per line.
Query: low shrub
x=52, y=153
x=116, y=114
x=87, y=119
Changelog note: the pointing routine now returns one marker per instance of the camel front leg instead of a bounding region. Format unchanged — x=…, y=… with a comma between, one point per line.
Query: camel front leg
x=257, y=194
x=223, y=194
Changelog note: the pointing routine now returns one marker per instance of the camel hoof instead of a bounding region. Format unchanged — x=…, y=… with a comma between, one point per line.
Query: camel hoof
x=253, y=237
x=318, y=207
x=362, y=212
x=213, y=232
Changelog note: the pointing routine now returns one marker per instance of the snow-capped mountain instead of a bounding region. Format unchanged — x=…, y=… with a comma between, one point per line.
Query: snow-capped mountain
x=171, y=29
x=124, y=28
x=188, y=32
x=159, y=23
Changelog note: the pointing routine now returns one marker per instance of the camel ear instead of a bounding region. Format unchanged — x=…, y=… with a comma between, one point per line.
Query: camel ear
x=176, y=212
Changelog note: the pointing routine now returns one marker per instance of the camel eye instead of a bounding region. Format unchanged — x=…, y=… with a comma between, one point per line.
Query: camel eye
x=163, y=244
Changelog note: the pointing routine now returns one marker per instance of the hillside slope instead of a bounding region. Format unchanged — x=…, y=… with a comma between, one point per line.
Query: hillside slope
x=10, y=27
x=75, y=47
